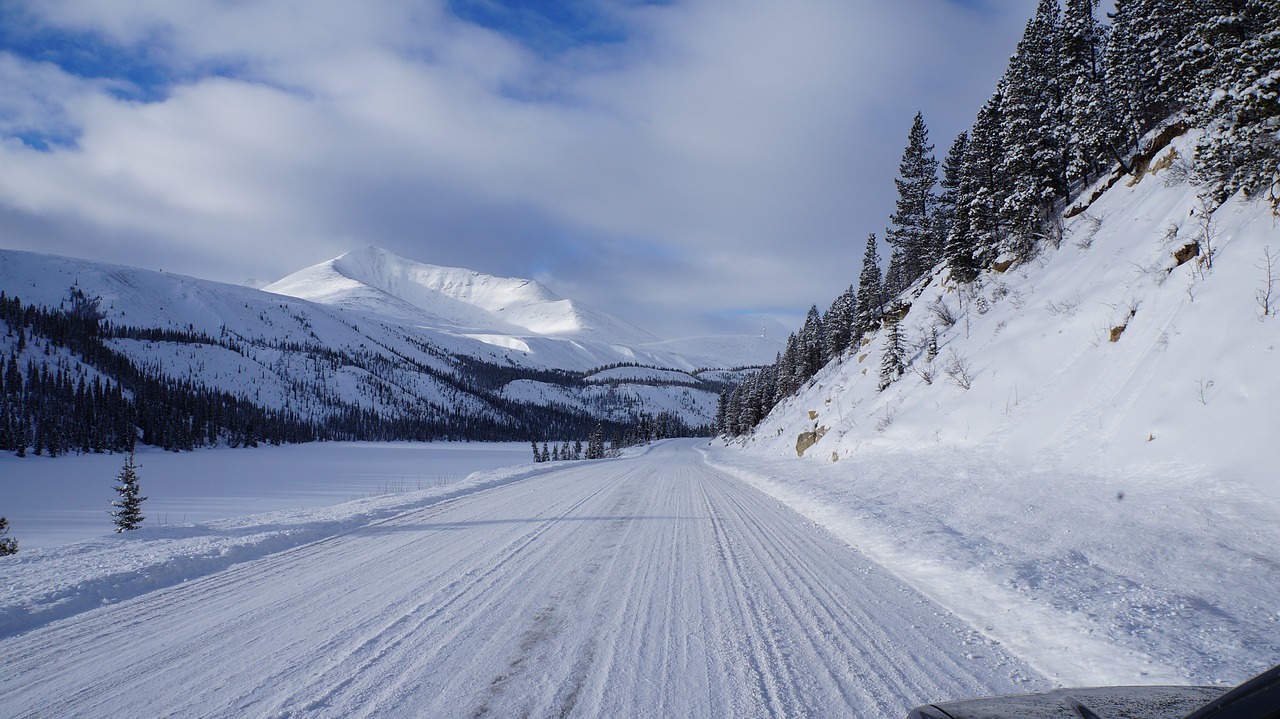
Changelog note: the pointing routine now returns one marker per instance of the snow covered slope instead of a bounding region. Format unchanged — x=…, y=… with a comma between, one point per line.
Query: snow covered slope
x=1099, y=421
x=1104, y=353
x=378, y=282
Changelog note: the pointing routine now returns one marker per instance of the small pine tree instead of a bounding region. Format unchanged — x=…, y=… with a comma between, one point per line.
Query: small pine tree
x=537, y=454
x=595, y=444
x=892, y=361
x=8, y=545
x=128, y=509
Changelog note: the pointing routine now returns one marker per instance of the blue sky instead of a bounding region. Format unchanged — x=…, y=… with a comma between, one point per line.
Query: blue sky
x=688, y=165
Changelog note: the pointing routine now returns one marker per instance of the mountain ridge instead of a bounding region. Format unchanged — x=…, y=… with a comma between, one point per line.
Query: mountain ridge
x=375, y=280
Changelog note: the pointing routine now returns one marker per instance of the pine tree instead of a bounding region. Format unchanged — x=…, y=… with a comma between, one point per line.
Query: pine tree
x=595, y=443
x=1086, y=111
x=870, y=292
x=1240, y=150
x=1144, y=58
x=1033, y=132
x=953, y=215
x=838, y=325
x=914, y=238
x=810, y=344
x=983, y=187
x=8, y=545
x=128, y=508
x=892, y=360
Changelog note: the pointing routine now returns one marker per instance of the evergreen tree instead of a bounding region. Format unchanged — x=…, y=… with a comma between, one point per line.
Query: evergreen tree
x=838, y=325
x=1240, y=150
x=953, y=215
x=810, y=343
x=128, y=508
x=870, y=292
x=1086, y=111
x=595, y=443
x=1143, y=58
x=983, y=186
x=1033, y=132
x=892, y=364
x=914, y=238
x=8, y=545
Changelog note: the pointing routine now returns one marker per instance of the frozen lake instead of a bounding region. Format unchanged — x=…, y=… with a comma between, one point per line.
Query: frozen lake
x=56, y=501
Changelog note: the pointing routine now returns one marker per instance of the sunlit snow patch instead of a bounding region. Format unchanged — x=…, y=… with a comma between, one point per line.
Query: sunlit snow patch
x=505, y=341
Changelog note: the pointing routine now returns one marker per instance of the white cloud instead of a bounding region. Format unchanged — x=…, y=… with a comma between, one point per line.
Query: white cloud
x=726, y=156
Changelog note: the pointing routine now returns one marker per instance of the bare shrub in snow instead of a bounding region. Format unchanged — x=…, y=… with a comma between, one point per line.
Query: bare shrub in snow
x=1178, y=170
x=1090, y=224
x=1265, y=295
x=1202, y=390
x=1206, y=234
x=885, y=420
x=959, y=370
x=925, y=371
x=1065, y=308
x=942, y=313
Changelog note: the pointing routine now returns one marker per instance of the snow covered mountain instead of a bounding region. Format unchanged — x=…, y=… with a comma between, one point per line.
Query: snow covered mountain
x=375, y=281
x=433, y=351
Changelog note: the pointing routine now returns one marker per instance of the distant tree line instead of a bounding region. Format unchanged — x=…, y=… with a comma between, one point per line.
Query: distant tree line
x=65, y=389
x=1072, y=108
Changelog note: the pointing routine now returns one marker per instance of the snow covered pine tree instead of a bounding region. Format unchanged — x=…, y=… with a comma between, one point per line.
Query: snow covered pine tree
x=128, y=509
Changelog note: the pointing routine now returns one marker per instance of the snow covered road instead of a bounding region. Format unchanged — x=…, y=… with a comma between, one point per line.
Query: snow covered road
x=649, y=586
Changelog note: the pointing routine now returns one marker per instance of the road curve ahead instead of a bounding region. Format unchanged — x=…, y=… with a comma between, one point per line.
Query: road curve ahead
x=653, y=586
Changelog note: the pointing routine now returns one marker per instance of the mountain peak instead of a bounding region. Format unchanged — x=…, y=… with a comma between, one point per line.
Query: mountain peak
x=375, y=280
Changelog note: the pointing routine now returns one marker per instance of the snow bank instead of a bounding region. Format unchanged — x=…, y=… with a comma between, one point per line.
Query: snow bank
x=1139, y=579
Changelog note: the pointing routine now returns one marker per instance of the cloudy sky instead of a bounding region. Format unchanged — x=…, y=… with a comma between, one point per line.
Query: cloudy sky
x=689, y=165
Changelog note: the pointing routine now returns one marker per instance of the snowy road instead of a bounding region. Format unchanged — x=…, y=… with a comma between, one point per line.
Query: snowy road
x=651, y=586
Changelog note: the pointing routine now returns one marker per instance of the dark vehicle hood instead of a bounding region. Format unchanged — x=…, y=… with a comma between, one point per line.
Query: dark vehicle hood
x=1103, y=702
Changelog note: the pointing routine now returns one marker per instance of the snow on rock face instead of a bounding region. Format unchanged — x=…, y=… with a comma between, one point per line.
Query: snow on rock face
x=375, y=280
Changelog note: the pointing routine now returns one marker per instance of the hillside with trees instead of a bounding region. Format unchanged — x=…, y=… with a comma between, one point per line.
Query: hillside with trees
x=1083, y=105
